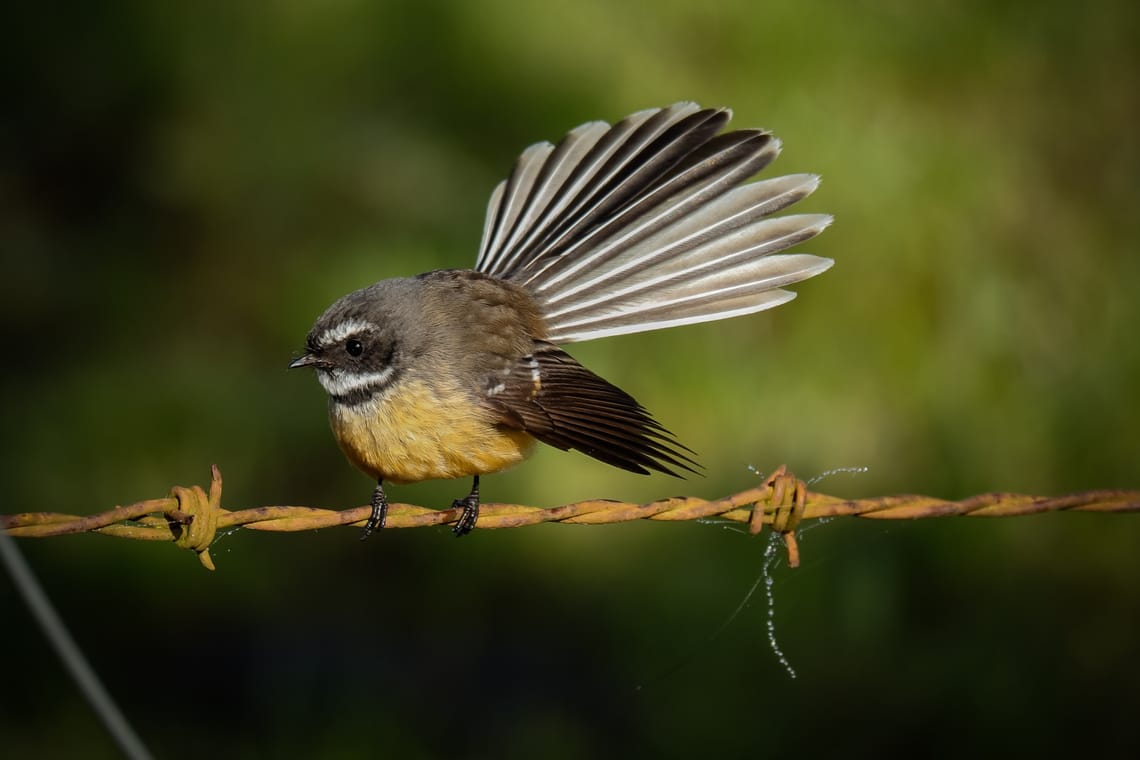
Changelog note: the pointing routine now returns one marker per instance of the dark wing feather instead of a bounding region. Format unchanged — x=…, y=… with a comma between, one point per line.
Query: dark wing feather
x=561, y=403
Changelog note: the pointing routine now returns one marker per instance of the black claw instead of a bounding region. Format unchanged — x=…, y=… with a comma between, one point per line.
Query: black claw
x=470, y=505
x=379, y=514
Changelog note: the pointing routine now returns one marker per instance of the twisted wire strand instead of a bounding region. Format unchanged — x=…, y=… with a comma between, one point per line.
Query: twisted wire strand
x=192, y=517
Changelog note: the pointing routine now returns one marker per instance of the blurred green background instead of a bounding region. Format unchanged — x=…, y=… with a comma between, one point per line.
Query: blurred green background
x=185, y=187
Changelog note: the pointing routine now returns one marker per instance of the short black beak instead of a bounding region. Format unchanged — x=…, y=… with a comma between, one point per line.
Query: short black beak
x=306, y=360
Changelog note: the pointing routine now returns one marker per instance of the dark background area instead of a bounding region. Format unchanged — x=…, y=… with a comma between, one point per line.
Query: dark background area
x=185, y=187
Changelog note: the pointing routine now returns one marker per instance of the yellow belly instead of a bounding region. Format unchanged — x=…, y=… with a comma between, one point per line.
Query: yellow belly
x=414, y=433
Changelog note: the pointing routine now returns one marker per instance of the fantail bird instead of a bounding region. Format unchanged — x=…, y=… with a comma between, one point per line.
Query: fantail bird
x=616, y=229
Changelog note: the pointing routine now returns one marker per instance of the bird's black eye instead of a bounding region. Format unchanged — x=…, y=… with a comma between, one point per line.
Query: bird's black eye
x=353, y=347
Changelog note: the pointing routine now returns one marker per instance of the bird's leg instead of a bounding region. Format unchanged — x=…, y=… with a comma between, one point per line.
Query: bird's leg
x=379, y=514
x=470, y=516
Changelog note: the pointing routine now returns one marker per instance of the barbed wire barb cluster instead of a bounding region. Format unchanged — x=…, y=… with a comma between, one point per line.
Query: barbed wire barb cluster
x=192, y=517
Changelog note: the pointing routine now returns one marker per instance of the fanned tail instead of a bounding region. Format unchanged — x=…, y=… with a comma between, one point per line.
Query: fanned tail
x=646, y=224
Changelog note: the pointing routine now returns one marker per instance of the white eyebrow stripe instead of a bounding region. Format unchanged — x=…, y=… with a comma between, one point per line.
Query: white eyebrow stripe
x=339, y=383
x=343, y=330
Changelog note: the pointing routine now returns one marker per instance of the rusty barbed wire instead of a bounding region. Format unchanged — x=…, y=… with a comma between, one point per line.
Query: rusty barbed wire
x=192, y=517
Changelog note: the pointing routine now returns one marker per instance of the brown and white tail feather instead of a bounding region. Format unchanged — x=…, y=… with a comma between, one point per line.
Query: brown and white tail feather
x=646, y=225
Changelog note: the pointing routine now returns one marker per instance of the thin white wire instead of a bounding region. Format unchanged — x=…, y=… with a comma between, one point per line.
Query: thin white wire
x=69, y=653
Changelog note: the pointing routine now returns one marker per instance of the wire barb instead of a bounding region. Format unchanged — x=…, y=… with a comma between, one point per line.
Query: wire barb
x=787, y=500
x=191, y=517
x=194, y=523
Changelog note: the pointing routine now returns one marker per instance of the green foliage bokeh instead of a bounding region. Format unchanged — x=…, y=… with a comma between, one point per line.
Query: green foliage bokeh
x=184, y=187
